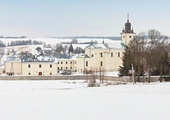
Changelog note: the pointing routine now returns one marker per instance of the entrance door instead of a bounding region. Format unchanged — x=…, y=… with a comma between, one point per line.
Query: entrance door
x=40, y=73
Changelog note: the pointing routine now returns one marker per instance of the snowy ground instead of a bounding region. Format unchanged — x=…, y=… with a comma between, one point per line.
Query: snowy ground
x=72, y=100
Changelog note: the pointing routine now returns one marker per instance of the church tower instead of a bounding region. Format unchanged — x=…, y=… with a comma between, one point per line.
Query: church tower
x=127, y=33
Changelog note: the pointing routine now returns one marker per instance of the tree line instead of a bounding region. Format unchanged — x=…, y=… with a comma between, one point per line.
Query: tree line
x=24, y=42
x=149, y=54
x=21, y=42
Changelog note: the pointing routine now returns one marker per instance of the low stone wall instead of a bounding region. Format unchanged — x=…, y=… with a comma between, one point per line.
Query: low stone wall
x=73, y=77
x=41, y=77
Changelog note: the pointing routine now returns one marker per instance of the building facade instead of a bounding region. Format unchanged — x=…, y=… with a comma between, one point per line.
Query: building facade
x=27, y=66
x=39, y=68
x=13, y=66
x=100, y=57
x=66, y=64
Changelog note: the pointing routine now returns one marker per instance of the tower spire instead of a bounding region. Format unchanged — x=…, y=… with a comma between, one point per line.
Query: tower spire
x=127, y=33
x=128, y=17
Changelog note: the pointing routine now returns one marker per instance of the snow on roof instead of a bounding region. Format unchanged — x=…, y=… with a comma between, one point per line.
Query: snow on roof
x=47, y=49
x=74, y=57
x=82, y=55
x=13, y=59
x=115, y=44
x=83, y=46
x=44, y=58
x=111, y=44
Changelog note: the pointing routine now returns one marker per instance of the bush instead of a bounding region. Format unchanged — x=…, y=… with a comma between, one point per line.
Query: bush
x=93, y=83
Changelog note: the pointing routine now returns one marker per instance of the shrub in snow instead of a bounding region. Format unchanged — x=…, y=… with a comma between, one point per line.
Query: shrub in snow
x=92, y=80
x=93, y=83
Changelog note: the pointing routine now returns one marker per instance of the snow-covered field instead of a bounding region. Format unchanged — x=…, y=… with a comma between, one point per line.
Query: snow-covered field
x=73, y=100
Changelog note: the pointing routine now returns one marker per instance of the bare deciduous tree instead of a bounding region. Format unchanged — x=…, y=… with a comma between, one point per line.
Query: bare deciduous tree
x=149, y=53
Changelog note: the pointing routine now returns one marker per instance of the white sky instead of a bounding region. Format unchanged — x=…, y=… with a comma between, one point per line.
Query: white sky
x=42, y=18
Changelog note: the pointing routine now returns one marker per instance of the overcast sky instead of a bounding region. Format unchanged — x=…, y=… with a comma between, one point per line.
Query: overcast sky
x=49, y=18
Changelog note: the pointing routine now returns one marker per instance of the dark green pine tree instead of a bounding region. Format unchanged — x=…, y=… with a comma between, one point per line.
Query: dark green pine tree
x=126, y=65
x=70, y=49
x=129, y=58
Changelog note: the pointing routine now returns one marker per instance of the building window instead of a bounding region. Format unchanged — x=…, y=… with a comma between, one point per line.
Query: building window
x=111, y=54
x=58, y=68
x=92, y=55
x=50, y=66
x=58, y=62
x=39, y=65
x=70, y=67
x=123, y=36
x=66, y=62
x=101, y=54
x=61, y=62
x=29, y=66
x=130, y=36
x=101, y=63
x=118, y=54
x=70, y=62
x=29, y=73
x=66, y=68
x=86, y=63
x=61, y=68
x=50, y=73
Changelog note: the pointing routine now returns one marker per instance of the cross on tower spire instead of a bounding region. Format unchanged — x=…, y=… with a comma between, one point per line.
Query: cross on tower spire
x=127, y=26
x=128, y=17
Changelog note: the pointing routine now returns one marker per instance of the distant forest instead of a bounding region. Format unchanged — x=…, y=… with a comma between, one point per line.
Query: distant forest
x=13, y=37
x=24, y=42
x=34, y=42
x=21, y=42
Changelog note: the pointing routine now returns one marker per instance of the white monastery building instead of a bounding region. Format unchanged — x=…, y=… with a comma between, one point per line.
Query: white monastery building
x=102, y=56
